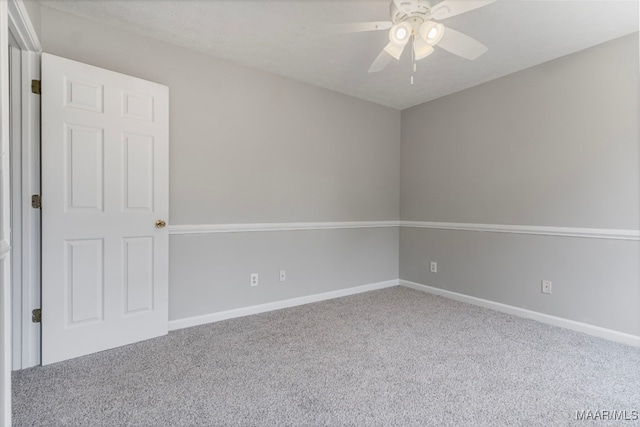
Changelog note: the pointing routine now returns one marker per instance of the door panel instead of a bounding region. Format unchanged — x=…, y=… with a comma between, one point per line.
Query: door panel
x=104, y=186
x=84, y=261
x=138, y=274
x=83, y=175
x=138, y=169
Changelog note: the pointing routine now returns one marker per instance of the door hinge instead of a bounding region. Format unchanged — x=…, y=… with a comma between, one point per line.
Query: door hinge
x=35, y=87
x=36, y=201
x=36, y=315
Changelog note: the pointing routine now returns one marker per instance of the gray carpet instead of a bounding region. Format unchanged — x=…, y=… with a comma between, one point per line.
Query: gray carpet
x=394, y=357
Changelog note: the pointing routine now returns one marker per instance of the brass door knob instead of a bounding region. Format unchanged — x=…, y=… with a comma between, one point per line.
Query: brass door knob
x=160, y=223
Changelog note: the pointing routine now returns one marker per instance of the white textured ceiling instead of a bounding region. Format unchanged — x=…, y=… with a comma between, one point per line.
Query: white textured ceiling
x=290, y=38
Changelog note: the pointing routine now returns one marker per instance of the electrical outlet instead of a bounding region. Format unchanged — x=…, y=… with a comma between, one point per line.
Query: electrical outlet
x=254, y=279
x=434, y=267
x=283, y=275
x=546, y=287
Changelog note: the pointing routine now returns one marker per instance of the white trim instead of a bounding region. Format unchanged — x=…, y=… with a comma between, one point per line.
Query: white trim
x=21, y=27
x=586, y=328
x=30, y=217
x=15, y=106
x=276, y=305
x=279, y=226
x=593, y=233
x=5, y=232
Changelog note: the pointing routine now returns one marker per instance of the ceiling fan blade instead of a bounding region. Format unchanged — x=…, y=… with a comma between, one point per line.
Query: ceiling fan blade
x=449, y=8
x=360, y=27
x=461, y=44
x=380, y=62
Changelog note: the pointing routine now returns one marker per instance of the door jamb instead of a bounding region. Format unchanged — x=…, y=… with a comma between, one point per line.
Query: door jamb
x=22, y=29
x=5, y=209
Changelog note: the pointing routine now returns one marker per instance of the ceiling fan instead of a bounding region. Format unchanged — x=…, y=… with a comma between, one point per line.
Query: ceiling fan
x=417, y=20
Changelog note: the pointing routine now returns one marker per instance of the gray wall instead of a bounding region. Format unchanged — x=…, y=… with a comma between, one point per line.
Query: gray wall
x=217, y=269
x=595, y=281
x=248, y=146
x=554, y=145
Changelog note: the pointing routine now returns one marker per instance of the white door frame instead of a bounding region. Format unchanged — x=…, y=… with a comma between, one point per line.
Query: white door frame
x=14, y=18
x=15, y=168
x=26, y=257
x=5, y=209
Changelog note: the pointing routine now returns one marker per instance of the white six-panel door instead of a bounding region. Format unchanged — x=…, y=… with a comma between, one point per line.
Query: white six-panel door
x=105, y=190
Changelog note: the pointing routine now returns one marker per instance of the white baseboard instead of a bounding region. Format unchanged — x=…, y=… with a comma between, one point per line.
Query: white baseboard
x=586, y=328
x=276, y=305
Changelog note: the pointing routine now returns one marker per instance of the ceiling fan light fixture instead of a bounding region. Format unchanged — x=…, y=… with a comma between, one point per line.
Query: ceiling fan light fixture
x=431, y=32
x=400, y=33
x=421, y=48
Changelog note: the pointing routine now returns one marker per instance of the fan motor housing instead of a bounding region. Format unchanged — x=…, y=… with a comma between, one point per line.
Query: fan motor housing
x=415, y=12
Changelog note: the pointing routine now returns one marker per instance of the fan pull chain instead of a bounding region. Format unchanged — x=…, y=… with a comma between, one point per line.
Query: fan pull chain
x=413, y=58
